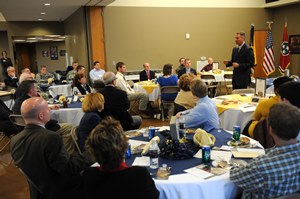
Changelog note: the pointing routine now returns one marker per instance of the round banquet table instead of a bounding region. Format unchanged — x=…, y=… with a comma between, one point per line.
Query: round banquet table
x=181, y=185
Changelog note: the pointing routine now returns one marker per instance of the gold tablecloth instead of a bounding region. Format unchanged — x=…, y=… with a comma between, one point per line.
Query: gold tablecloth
x=149, y=86
x=234, y=102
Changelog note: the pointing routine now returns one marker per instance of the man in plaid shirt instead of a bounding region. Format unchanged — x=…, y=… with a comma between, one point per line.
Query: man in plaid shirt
x=277, y=173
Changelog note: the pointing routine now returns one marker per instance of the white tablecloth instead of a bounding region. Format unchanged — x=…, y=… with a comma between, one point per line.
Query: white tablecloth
x=219, y=77
x=64, y=89
x=186, y=186
x=154, y=95
x=236, y=114
x=68, y=115
x=232, y=117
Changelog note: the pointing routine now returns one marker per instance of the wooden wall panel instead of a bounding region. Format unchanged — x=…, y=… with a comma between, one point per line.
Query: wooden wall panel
x=97, y=35
x=260, y=42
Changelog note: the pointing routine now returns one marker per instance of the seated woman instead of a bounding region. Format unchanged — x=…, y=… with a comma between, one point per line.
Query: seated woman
x=185, y=99
x=263, y=107
x=92, y=105
x=168, y=80
x=80, y=85
x=107, y=145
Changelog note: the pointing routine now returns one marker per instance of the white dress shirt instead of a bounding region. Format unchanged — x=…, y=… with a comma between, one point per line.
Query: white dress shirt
x=123, y=84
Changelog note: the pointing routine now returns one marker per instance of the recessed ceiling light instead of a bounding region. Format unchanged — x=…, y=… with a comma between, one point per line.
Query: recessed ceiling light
x=43, y=13
x=47, y=4
x=52, y=35
x=19, y=40
x=40, y=19
x=58, y=40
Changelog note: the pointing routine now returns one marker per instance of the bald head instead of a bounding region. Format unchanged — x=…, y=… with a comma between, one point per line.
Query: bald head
x=35, y=110
x=146, y=66
x=210, y=60
x=109, y=77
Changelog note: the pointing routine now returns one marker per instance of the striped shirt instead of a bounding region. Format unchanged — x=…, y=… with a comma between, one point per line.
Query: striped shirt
x=277, y=173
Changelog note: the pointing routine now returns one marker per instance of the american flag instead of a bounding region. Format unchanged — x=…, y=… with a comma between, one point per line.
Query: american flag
x=268, y=64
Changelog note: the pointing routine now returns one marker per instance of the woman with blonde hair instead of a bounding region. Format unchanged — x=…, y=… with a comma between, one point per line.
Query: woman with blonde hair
x=92, y=105
x=185, y=99
x=107, y=145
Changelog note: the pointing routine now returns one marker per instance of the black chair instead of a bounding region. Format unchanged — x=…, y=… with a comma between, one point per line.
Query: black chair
x=228, y=83
x=211, y=83
x=13, y=126
x=167, y=90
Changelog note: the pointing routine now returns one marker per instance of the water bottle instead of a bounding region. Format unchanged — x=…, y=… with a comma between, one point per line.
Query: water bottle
x=153, y=153
x=182, y=131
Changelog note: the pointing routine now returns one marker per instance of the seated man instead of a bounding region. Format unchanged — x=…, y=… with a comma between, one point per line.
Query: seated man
x=289, y=93
x=11, y=81
x=97, y=72
x=43, y=78
x=204, y=115
x=40, y=154
x=146, y=74
x=72, y=73
x=276, y=173
x=117, y=99
x=181, y=65
x=187, y=68
x=209, y=66
x=28, y=89
x=80, y=69
x=132, y=95
x=27, y=70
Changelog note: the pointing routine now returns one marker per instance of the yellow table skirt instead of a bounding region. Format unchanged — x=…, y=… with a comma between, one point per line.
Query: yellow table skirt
x=148, y=86
x=234, y=102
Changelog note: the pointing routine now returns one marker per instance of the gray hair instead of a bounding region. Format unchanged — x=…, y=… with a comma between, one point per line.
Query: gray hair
x=109, y=77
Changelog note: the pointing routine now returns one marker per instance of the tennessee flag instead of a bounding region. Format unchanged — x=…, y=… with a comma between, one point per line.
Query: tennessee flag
x=252, y=42
x=284, y=51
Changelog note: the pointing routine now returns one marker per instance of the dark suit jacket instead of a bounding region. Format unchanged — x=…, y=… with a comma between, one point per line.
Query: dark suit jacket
x=40, y=154
x=11, y=82
x=183, y=71
x=144, y=77
x=245, y=59
x=98, y=184
x=115, y=97
x=117, y=105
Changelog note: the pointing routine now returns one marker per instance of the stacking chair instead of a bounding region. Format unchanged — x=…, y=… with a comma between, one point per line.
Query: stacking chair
x=228, y=83
x=19, y=123
x=74, y=134
x=211, y=83
x=167, y=90
x=243, y=91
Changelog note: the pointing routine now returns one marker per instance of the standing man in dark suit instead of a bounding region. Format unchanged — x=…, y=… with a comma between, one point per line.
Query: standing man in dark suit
x=42, y=157
x=146, y=74
x=116, y=102
x=187, y=68
x=242, y=60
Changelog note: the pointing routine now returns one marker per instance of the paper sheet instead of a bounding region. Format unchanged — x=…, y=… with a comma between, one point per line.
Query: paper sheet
x=143, y=161
x=200, y=173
